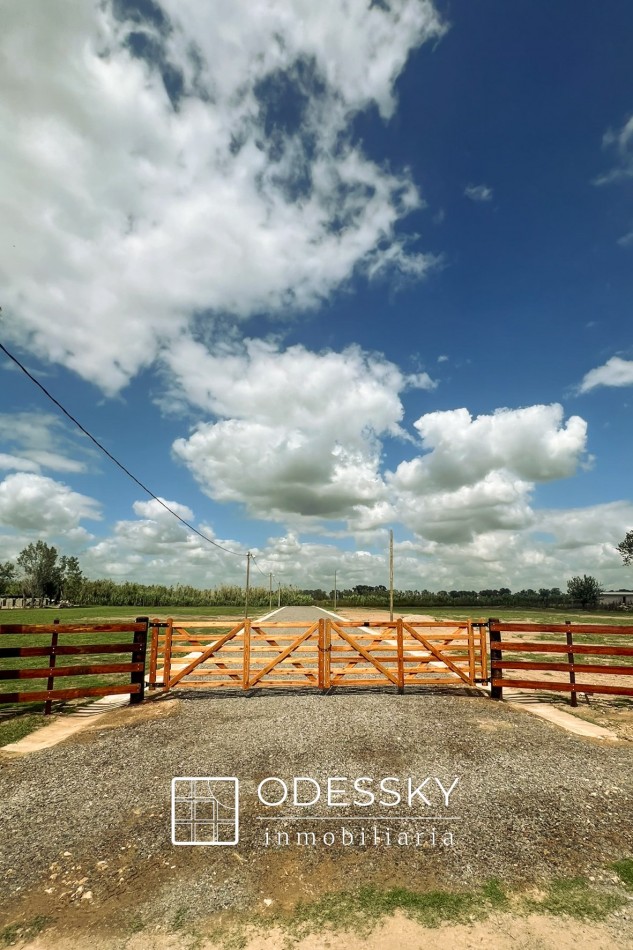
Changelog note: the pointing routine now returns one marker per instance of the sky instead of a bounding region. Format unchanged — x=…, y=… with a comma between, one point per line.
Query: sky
x=313, y=273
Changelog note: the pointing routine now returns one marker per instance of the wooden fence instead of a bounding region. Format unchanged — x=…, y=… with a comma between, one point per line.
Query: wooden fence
x=53, y=649
x=322, y=654
x=510, y=655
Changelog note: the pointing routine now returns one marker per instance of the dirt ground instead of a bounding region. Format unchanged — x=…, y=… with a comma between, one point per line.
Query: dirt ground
x=500, y=932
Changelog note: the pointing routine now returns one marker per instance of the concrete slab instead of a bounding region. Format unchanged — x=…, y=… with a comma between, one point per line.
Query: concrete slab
x=529, y=702
x=54, y=732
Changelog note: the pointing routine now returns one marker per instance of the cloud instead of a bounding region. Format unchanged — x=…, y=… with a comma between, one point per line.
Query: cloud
x=42, y=441
x=626, y=240
x=478, y=193
x=161, y=170
x=615, y=372
x=477, y=475
x=33, y=503
x=619, y=142
x=298, y=434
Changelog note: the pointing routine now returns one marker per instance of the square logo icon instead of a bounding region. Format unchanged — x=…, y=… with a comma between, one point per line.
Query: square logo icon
x=205, y=811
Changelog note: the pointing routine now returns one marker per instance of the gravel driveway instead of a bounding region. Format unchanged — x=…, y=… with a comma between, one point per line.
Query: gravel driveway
x=86, y=824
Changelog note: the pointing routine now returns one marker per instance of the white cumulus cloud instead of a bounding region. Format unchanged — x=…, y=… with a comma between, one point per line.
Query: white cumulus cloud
x=615, y=372
x=156, y=175
x=30, y=502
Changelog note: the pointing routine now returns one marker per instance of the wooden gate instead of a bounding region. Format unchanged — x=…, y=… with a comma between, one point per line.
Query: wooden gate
x=321, y=654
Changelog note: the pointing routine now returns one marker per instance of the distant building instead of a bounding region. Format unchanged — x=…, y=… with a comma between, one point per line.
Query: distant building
x=612, y=597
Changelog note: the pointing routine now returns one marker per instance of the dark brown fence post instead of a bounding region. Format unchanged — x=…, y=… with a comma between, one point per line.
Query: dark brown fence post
x=50, y=683
x=496, y=692
x=138, y=656
x=570, y=660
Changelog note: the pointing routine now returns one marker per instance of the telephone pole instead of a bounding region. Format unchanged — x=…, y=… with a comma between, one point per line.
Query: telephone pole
x=391, y=575
x=248, y=582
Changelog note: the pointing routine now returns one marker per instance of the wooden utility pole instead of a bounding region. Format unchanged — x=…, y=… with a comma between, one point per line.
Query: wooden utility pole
x=391, y=575
x=334, y=590
x=270, y=590
x=279, y=594
x=248, y=582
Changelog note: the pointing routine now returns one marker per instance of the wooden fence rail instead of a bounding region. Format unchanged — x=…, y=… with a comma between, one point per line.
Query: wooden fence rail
x=571, y=654
x=135, y=667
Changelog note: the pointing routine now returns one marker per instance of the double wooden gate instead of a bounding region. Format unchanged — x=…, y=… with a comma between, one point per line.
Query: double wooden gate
x=321, y=654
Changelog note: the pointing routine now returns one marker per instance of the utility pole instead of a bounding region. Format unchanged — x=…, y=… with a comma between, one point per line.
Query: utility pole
x=335, y=590
x=248, y=582
x=279, y=594
x=270, y=590
x=391, y=575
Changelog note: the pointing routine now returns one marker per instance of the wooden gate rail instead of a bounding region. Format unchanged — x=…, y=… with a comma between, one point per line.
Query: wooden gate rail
x=567, y=649
x=135, y=667
x=322, y=654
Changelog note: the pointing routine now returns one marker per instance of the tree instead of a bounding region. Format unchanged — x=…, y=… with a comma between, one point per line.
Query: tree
x=7, y=575
x=584, y=590
x=41, y=575
x=71, y=578
x=626, y=548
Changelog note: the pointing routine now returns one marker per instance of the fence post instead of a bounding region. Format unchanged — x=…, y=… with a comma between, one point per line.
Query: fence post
x=327, y=655
x=483, y=650
x=169, y=629
x=400, y=643
x=496, y=692
x=570, y=659
x=50, y=683
x=246, y=655
x=153, y=654
x=138, y=656
x=320, y=653
x=470, y=633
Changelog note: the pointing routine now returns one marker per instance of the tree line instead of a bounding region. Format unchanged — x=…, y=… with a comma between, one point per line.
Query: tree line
x=40, y=574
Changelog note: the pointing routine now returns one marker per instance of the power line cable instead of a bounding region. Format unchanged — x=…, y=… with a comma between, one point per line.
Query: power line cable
x=115, y=460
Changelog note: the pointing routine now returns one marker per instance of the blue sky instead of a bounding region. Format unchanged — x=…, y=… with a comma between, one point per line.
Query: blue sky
x=314, y=272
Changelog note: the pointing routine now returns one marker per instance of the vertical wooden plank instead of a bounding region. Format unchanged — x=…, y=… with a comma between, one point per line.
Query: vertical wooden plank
x=321, y=653
x=400, y=654
x=483, y=648
x=327, y=655
x=138, y=656
x=246, y=655
x=48, y=705
x=167, y=654
x=471, y=652
x=570, y=659
x=153, y=653
x=496, y=692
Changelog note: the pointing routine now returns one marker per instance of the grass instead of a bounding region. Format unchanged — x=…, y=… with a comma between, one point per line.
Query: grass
x=20, y=725
x=527, y=615
x=359, y=911
x=33, y=615
x=18, y=933
x=624, y=870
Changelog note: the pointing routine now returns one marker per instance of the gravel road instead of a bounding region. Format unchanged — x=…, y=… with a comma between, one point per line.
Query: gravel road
x=86, y=824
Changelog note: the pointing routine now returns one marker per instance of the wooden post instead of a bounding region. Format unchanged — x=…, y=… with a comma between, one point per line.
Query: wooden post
x=496, y=692
x=246, y=654
x=391, y=576
x=570, y=659
x=483, y=651
x=471, y=652
x=321, y=653
x=50, y=682
x=167, y=654
x=138, y=656
x=327, y=655
x=153, y=654
x=248, y=583
x=400, y=643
